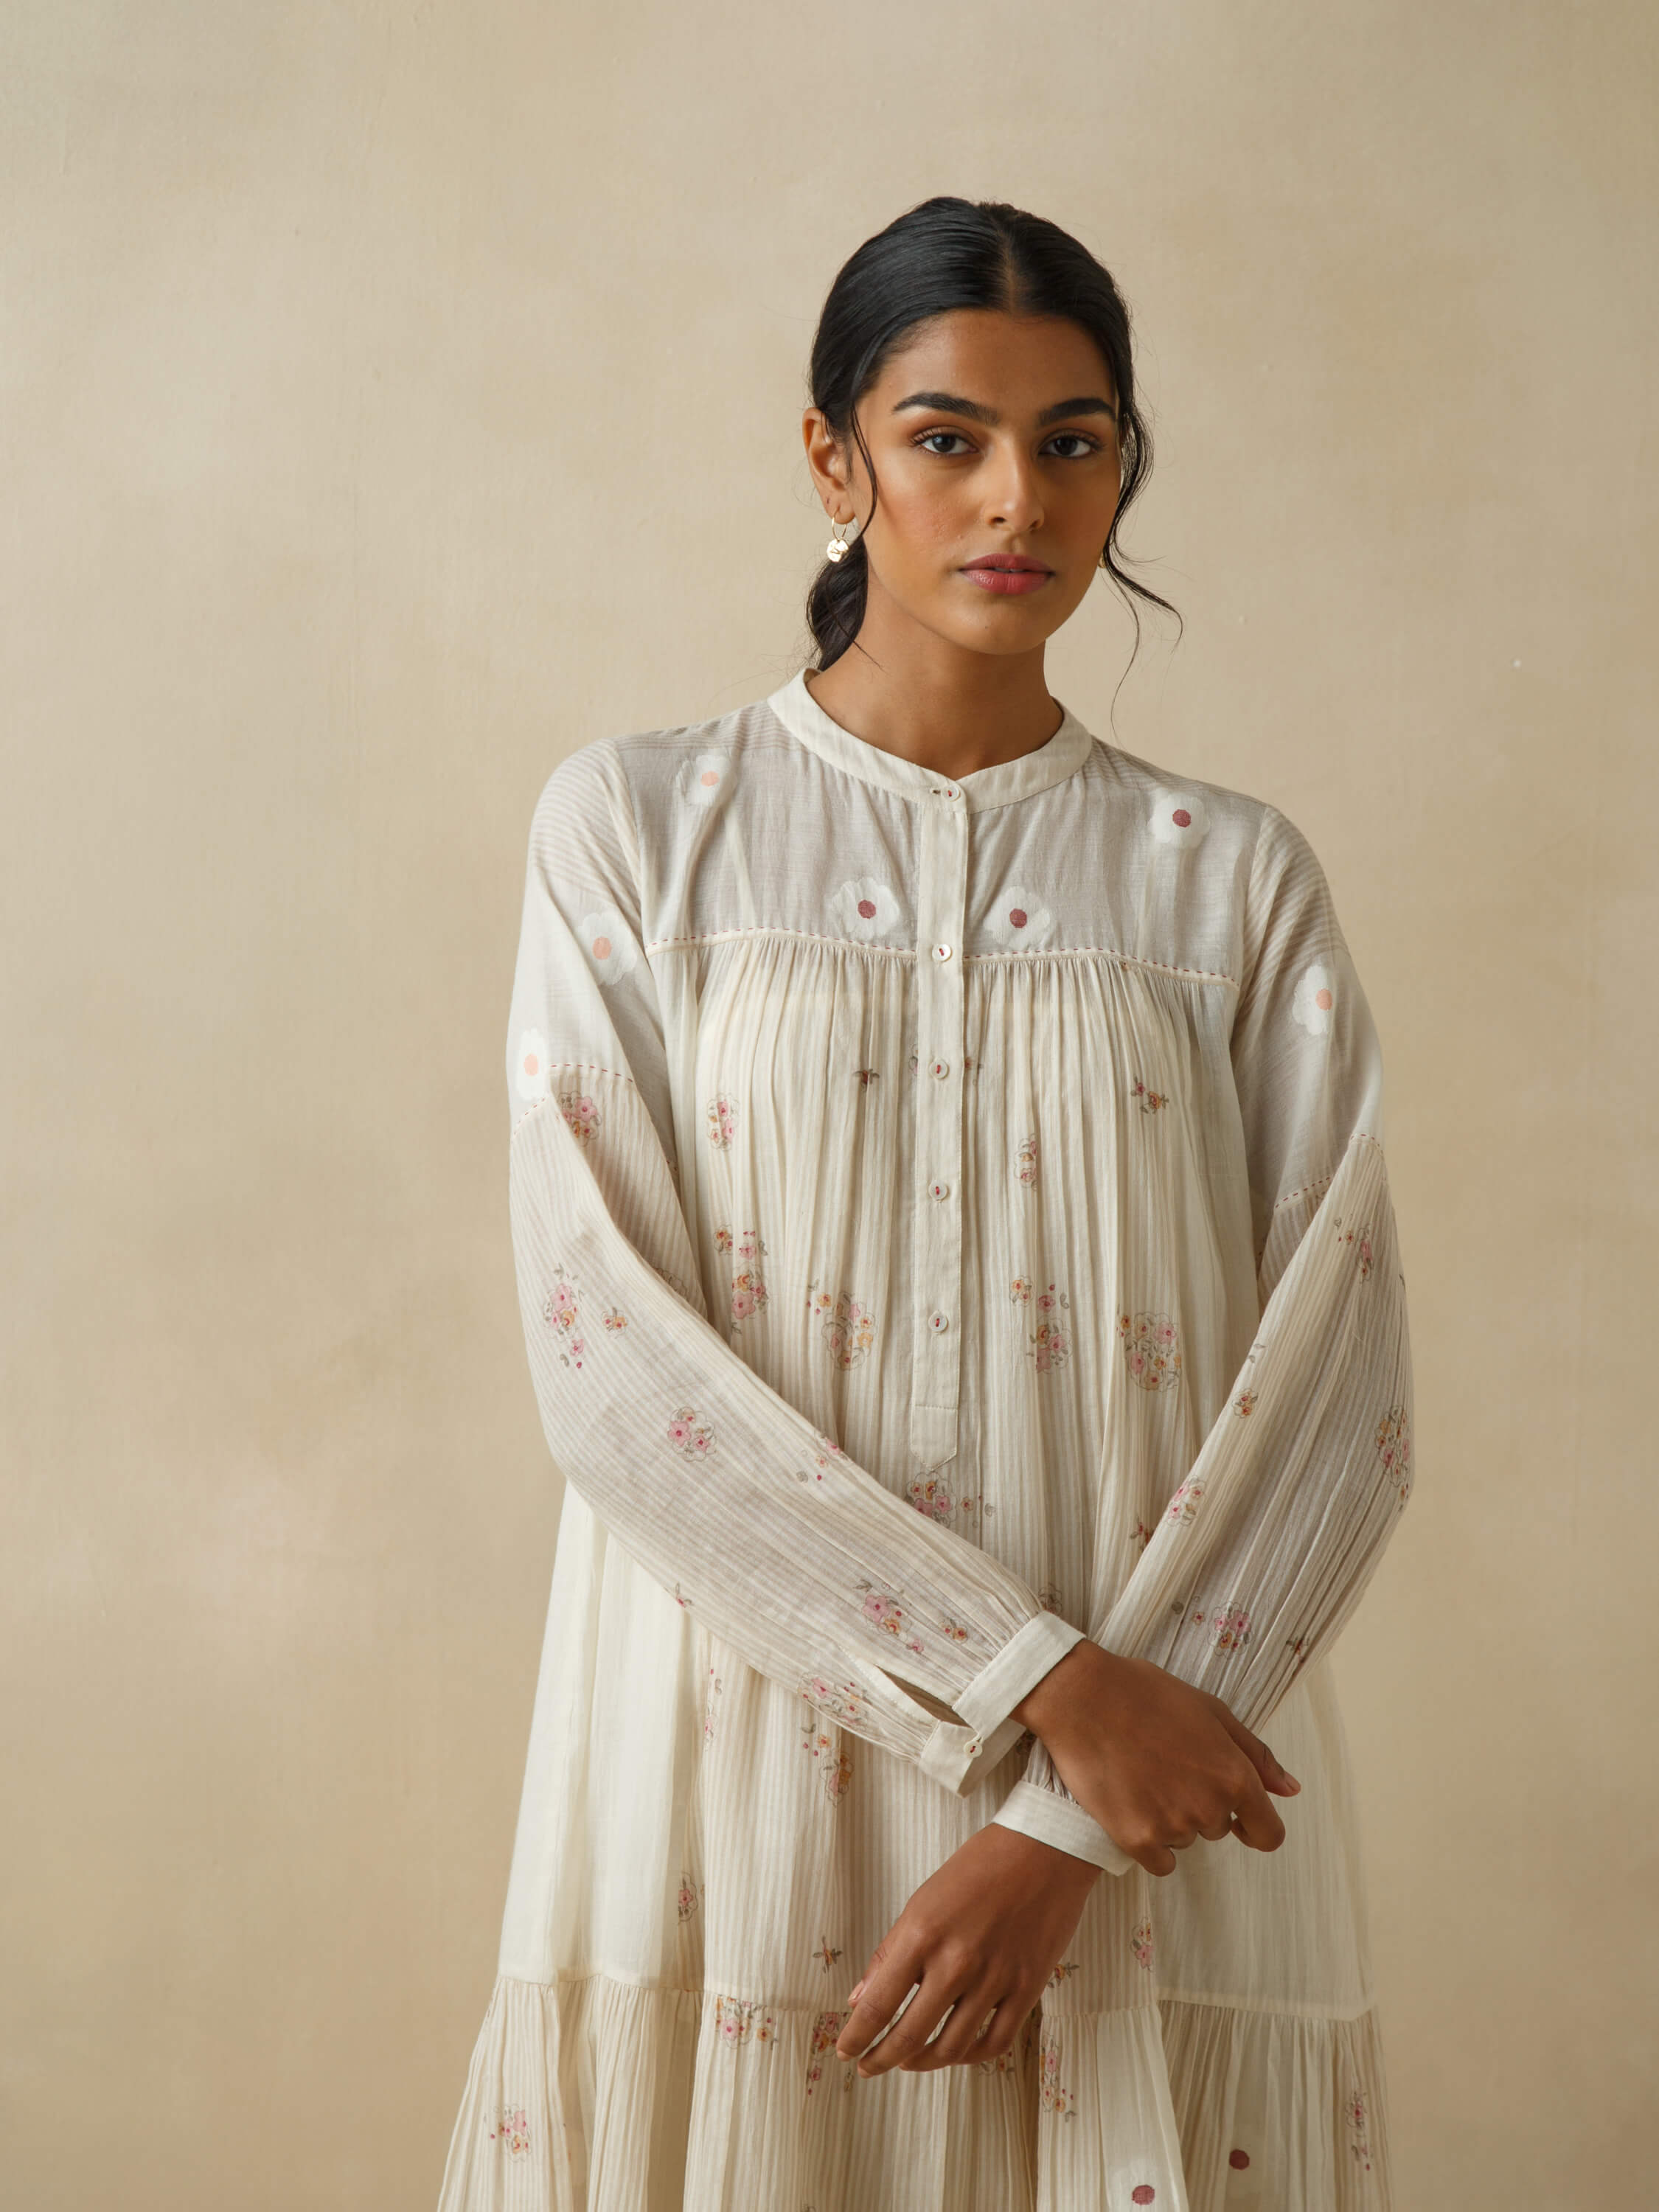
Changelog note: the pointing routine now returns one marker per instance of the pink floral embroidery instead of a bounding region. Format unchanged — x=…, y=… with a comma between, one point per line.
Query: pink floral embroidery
x=722, y=1121
x=932, y=1499
x=1051, y=1341
x=1361, y=1239
x=846, y=1700
x=1394, y=1448
x=1141, y=1535
x=743, y=2019
x=1056, y=2099
x=866, y=1076
x=1245, y=1402
x=826, y=1954
x=711, y=1699
x=956, y=1634
x=1232, y=1631
x=1141, y=1944
x=687, y=1899
x=748, y=1290
x=849, y=1327
x=680, y=1599
x=817, y=1739
x=884, y=1610
x=512, y=2131
x=1297, y=1646
x=1142, y=2193
x=685, y=1435
x=1064, y=1972
x=826, y=2033
x=560, y=1312
x=613, y=1320
x=1048, y=1598
x=581, y=1115
x=1357, y=2118
x=1151, y=1102
x=1150, y=1346
x=1025, y=1160
x=822, y=1463
x=1183, y=1506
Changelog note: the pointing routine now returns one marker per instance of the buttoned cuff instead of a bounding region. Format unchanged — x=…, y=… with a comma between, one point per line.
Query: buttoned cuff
x=959, y=1757
x=1020, y=1665
x=1062, y=1822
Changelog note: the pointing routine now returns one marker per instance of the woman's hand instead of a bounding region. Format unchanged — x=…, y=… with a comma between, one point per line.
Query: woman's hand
x=984, y=1934
x=1157, y=1763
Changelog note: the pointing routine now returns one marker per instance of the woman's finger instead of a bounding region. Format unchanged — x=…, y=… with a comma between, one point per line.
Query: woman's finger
x=1275, y=1777
x=962, y=2039
x=911, y=2028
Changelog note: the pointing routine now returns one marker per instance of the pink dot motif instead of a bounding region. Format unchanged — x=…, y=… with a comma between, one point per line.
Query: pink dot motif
x=601, y=948
x=1238, y=2159
x=1143, y=2193
x=1016, y=915
x=867, y=910
x=708, y=778
x=1322, y=999
x=531, y=1063
x=1181, y=818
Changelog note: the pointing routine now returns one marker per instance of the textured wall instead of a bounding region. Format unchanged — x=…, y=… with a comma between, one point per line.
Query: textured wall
x=392, y=398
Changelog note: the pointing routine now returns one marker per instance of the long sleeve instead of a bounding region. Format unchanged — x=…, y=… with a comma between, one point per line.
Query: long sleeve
x=724, y=1492
x=1266, y=1548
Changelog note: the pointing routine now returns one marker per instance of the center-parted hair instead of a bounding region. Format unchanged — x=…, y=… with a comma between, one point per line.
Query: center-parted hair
x=942, y=255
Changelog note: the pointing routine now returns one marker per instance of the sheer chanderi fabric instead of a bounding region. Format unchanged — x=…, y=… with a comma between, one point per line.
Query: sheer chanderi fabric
x=950, y=1217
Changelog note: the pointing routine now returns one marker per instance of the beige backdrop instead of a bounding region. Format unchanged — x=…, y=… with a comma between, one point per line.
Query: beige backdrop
x=396, y=396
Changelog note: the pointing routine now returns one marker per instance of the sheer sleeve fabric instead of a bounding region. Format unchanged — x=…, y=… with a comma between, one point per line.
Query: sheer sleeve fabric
x=724, y=1492
x=1265, y=1547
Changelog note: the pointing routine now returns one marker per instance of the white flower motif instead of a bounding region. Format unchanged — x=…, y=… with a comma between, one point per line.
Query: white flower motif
x=703, y=777
x=1314, y=997
x=530, y=1073
x=1018, y=920
x=1179, y=817
x=606, y=941
x=865, y=907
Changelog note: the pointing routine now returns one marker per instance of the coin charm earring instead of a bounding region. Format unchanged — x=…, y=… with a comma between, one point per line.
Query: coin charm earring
x=836, y=547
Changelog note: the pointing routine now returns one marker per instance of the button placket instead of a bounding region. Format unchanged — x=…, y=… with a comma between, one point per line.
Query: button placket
x=941, y=1015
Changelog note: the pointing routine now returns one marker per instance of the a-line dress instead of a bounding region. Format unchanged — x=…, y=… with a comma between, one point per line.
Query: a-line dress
x=950, y=1218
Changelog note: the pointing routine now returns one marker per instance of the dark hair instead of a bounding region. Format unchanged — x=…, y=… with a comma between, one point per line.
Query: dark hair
x=943, y=254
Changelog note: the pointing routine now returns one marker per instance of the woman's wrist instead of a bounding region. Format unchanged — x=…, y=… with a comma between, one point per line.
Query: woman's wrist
x=1084, y=1671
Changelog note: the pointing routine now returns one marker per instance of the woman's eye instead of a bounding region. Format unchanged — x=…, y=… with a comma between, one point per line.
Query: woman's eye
x=1077, y=438
x=927, y=436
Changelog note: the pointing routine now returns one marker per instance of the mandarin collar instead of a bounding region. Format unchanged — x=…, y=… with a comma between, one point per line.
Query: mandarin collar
x=1001, y=785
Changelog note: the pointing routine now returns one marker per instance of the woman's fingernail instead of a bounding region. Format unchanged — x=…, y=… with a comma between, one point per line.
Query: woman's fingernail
x=858, y=1992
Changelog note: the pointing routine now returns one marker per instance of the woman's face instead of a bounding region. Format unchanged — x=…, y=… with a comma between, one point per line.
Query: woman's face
x=991, y=433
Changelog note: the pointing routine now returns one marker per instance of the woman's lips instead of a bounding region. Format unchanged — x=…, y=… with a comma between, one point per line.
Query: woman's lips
x=1008, y=581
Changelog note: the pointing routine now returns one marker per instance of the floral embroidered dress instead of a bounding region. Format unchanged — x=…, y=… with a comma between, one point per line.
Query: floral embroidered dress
x=951, y=1219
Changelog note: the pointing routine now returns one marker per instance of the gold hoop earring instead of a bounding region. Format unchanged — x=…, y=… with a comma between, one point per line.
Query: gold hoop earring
x=837, y=548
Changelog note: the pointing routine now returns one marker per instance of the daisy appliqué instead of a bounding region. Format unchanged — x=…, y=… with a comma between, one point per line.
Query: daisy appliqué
x=1316, y=996
x=608, y=942
x=865, y=907
x=703, y=777
x=1020, y=919
x=531, y=1072
x=1179, y=817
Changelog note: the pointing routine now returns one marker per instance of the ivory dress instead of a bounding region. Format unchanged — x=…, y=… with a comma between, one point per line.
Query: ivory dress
x=950, y=1218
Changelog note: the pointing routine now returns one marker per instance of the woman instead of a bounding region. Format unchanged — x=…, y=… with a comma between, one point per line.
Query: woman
x=962, y=1291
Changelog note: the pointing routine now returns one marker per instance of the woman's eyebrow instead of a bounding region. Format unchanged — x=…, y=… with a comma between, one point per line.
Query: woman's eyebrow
x=951, y=402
